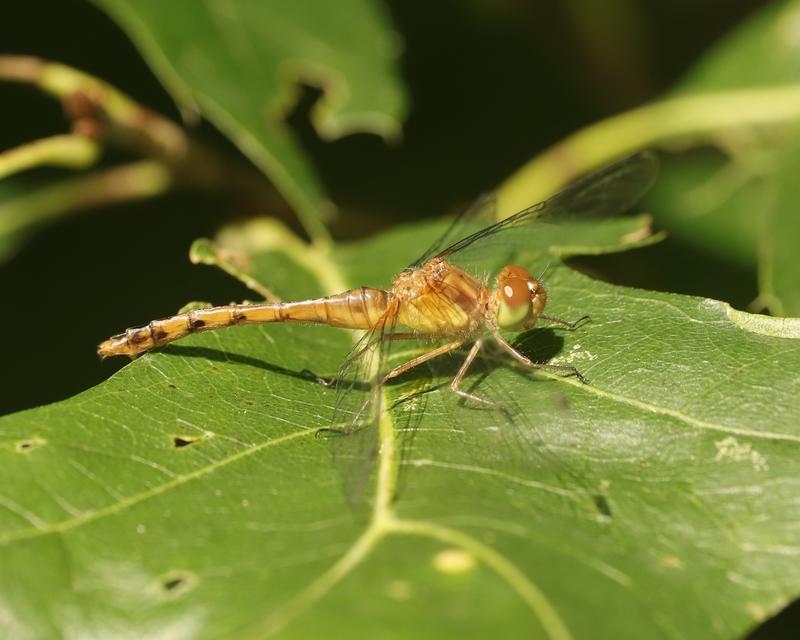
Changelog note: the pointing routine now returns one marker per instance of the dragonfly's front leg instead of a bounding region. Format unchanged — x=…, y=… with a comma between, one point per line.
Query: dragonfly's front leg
x=567, y=369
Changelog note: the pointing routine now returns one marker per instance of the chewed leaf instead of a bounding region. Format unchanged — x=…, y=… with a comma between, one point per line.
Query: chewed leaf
x=239, y=64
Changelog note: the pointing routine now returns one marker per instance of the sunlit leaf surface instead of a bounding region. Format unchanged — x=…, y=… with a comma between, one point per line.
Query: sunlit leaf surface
x=188, y=496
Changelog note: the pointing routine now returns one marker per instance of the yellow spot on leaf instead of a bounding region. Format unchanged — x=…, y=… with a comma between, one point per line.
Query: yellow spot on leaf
x=453, y=561
x=672, y=562
x=755, y=611
x=26, y=446
x=399, y=590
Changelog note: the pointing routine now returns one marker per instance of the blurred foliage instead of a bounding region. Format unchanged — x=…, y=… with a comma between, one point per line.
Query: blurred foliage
x=246, y=74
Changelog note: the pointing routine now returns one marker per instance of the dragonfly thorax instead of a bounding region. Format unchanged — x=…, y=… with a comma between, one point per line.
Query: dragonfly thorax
x=439, y=299
x=520, y=298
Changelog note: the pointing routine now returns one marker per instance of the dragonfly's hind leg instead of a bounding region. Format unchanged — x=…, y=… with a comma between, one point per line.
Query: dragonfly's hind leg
x=455, y=385
x=399, y=370
x=567, y=369
x=425, y=357
x=325, y=382
x=331, y=382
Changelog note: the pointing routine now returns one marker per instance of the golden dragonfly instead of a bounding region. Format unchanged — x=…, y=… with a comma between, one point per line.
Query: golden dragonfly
x=461, y=291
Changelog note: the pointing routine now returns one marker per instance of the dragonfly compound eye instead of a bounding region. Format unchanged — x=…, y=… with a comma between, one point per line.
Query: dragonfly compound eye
x=520, y=296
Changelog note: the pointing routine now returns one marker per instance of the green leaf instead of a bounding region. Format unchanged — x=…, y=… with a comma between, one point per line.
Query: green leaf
x=188, y=496
x=780, y=272
x=712, y=203
x=729, y=206
x=761, y=52
x=239, y=62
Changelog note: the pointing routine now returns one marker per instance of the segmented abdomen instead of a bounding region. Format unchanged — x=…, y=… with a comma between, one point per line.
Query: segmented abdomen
x=354, y=309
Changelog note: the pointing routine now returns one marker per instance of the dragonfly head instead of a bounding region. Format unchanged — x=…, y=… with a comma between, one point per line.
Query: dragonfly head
x=520, y=297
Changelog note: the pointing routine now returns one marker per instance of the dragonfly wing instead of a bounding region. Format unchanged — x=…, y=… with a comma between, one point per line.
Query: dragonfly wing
x=480, y=213
x=605, y=193
x=515, y=441
x=354, y=432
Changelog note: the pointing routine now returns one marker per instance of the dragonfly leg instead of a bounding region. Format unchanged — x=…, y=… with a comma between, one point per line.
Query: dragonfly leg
x=455, y=385
x=331, y=382
x=401, y=336
x=567, y=369
x=564, y=323
x=325, y=382
x=425, y=357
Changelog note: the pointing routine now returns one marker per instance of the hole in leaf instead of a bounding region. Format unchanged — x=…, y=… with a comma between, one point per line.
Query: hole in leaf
x=173, y=583
x=176, y=583
x=24, y=446
x=602, y=505
x=184, y=441
x=180, y=441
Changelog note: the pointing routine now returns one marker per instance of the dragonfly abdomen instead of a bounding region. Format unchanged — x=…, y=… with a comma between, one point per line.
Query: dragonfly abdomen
x=354, y=309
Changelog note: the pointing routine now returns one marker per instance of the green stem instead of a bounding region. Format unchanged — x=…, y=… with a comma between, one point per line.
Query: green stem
x=699, y=117
x=100, y=111
x=70, y=151
x=128, y=182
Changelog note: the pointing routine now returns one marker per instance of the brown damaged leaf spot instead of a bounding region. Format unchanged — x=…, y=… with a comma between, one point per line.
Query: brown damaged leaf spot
x=183, y=440
x=602, y=505
x=177, y=582
x=29, y=444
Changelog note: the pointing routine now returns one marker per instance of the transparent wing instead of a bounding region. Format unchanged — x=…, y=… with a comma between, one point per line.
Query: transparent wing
x=357, y=411
x=528, y=442
x=605, y=193
x=479, y=215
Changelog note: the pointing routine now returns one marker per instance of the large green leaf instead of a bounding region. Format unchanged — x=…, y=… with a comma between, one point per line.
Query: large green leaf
x=239, y=63
x=188, y=496
x=761, y=52
x=732, y=205
x=780, y=237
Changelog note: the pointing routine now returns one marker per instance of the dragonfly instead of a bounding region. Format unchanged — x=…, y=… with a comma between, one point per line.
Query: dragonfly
x=463, y=292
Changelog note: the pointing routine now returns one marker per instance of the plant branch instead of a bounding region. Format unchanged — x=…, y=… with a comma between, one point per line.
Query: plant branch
x=99, y=111
x=69, y=150
x=133, y=181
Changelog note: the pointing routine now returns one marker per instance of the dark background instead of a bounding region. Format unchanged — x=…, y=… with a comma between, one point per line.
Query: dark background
x=491, y=84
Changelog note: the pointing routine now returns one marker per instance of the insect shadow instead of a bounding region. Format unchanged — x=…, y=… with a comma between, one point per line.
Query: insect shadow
x=217, y=355
x=540, y=344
